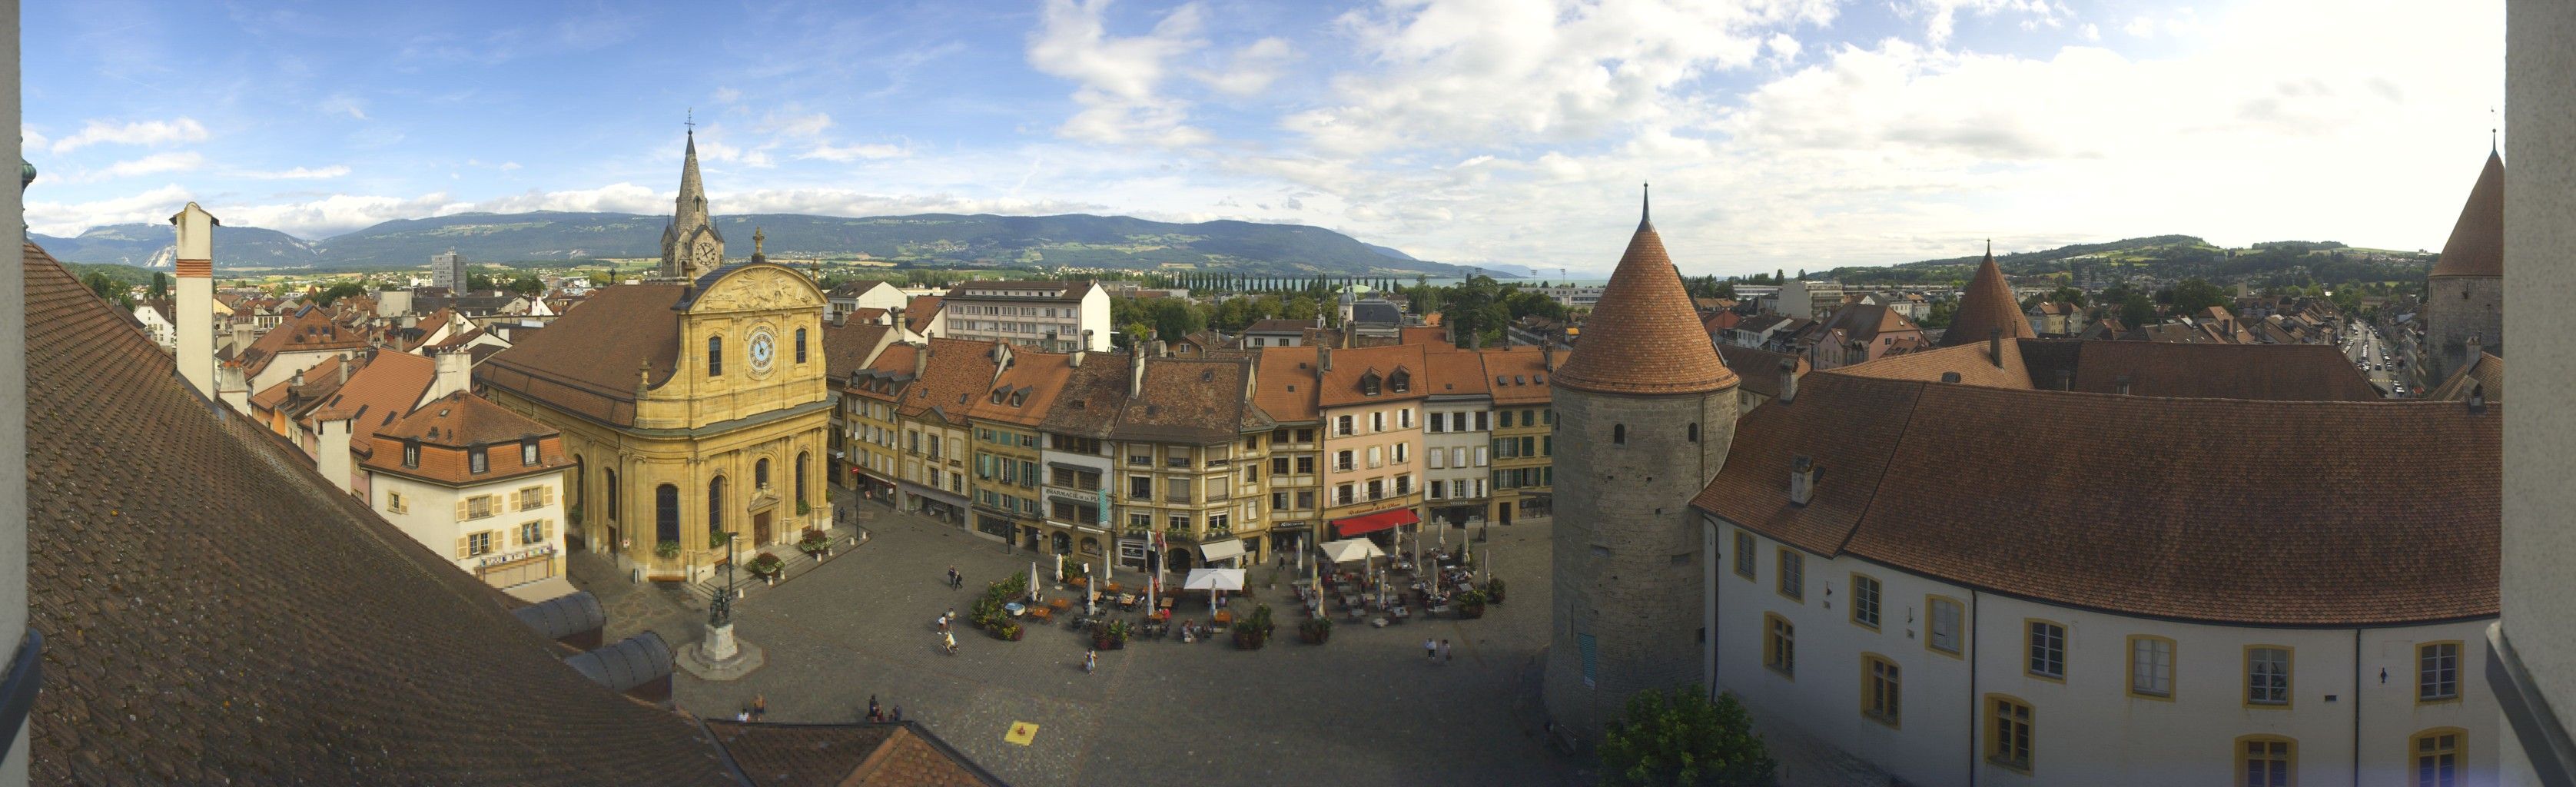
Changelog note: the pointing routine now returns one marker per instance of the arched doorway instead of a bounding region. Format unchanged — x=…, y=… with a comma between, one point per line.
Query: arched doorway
x=1090, y=546
x=1063, y=544
x=1178, y=561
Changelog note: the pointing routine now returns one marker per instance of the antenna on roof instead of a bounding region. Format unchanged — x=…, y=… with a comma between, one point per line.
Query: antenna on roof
x=693, y=120
x=2491, y=131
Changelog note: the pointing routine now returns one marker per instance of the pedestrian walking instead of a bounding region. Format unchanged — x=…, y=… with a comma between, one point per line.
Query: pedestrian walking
x=872, y=708
x=897, y=717
x=742, y=715
x=1447, y=655
x=759, y=707
x=1430, y=649
x=948, y=642
x=1090, y=661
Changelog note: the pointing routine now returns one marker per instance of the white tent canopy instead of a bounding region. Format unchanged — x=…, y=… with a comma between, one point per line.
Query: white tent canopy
x=1222, y=550
x=1214, y=579
x=1350, y=549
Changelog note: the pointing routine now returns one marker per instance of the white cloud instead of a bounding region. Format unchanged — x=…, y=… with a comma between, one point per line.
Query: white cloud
x=1941, y=16
x=2142, y=27
x=68, y=219
x=344, y=105
x=2092, y=32
x=850, y=153
x=299, y=173
x=797, y=125
x=337, y=213
x=30, y=139
x=1118, y=76
x=1252, y=68
x=509, y=165
x=146, y=132
x=726, y=95
x=176, y=161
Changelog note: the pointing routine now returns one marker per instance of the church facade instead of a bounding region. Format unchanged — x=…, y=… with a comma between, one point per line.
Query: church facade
x=692, y=410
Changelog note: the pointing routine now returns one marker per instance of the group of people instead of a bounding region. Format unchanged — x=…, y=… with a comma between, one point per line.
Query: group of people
x=879, y=714
x=757, y=710
x=1437, y=651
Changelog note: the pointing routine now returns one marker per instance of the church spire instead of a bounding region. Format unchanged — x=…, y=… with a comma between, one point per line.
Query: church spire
x=691, y=245
x=1645, y=206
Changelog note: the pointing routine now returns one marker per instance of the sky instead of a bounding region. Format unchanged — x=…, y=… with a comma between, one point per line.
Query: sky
x=1777, y=133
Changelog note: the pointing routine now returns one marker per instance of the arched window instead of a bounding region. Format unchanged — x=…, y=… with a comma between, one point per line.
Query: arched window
x=1694, y=432
x=1619, y=434
x=666, y=513
x=760, y=473
x=611, y=482
x=802, y=459
x=715, y=356
x=800, y=345
x=715, y=509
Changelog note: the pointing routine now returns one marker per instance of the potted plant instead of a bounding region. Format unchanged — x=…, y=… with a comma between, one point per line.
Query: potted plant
x=803, y=509
x=1011, y=631
x=716, y=540
x=667, y=550
x=1494, y=591
x=1315, y=630
x=984, y=611
x=1471, y=605
x=815, y=543
x=767, y=566
x=1112, y=635
x=1253, y=631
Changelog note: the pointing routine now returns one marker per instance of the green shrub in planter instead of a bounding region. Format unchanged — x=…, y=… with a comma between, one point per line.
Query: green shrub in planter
x=814, y=542
x=802, y=508
x=1011, y=631
x=1314, y=631
x=1494, y=591
x=1471, y=605
x=667, y=549
x=767, y=565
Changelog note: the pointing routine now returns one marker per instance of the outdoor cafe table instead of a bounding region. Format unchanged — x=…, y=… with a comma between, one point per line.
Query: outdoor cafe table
x=1015, y=609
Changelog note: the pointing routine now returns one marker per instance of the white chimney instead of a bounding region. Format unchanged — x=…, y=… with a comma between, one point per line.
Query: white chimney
x=1802, y=480
x=331, y=452
x=455, y=373
x=1136, y=372
x=232, y=387
x=195, y=307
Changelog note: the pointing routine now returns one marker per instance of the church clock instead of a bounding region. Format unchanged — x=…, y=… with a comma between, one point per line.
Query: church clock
x=764, y=348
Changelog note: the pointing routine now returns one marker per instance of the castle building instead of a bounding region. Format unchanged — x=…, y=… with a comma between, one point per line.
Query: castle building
x=1986, y=306
x=2464, y=295
x=691, y=410
x=1646, y=410
x=691, y=246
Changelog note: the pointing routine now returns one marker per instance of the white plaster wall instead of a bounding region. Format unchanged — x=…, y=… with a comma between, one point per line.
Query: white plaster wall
x=2539, y=563
x=2087, y=729
x=430, y=514
x=1450, y=473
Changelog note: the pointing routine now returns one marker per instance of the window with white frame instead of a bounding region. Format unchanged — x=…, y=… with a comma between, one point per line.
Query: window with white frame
x=2267, y=675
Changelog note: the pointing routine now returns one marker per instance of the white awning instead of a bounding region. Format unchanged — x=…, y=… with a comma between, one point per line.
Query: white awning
x=1214, y=579
x=1350, y=549
x=1221, y=550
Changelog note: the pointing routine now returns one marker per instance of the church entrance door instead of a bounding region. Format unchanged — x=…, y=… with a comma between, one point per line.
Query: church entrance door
x=760, y=528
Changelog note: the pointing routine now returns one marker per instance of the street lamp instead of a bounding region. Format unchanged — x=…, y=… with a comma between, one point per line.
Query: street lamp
x=721, y=613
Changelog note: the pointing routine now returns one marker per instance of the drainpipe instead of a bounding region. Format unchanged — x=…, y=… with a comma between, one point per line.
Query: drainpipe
x=1976, y=702
x=2356, y=707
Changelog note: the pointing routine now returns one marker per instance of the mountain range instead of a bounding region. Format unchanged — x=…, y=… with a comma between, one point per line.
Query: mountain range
x=928, y=240
x=2168, y=257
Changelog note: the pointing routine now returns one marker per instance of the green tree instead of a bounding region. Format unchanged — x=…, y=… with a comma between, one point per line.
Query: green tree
x=1681, y=738
x=1940, y=315
x=478, y=282
x=2193, y=295
x=339, y=291
x=109, y=289
x=527, y=284
x=160, y=286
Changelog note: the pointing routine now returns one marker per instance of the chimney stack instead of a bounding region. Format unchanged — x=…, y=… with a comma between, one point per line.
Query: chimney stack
x=195, y=311
x=1324, y=358
x=1136, y=373
x=331, y=454
x=1788, y=380
x=345, y=363
x=1803, y=473
x=455, y=372
x=921, y=361
x=2123, y=382
x=1547, y=353
x=1475, y=340
x=233, y=387
x=1995, y=346
x=1080, y=350
x=2478, y=399
x=1161, y=349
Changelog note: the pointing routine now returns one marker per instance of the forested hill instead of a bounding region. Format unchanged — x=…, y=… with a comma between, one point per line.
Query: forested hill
x=2169, y=257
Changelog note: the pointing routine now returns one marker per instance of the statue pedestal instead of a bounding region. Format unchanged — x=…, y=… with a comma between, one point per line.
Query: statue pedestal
x=720, y=656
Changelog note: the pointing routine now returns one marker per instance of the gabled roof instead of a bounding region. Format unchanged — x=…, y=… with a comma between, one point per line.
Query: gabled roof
x=587, y=361
x=1025, y=389
x=1286, y=387
x=1758, y=370
x=1519, y=374
x=1094, y=393
x=306, y=331
x=1986, y=304
x=2485, y=377
x=1278, y=326
x=1971, y=361
x=2476, y=247
x=1644, y=337
x=386, y=387
x=1340, y=385
x=1191, y=400
x=1455, y=372
x=849, y=345
x=447, y=427
x=899, y=754
x=960, y=370
x=2138, y=505
x=210, y=662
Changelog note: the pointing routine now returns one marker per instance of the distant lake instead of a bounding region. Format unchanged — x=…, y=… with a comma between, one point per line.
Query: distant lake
x=1525, y=281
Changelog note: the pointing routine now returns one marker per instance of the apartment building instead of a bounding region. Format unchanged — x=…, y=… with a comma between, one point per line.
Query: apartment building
x=1056, y=316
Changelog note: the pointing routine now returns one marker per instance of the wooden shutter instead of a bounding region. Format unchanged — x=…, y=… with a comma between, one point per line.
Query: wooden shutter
x=546, y=496
x=461, y=545
x=460, y=511
x=514, y=502
x=546, y=531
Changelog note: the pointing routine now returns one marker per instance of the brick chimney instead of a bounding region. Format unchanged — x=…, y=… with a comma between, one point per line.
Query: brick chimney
x=195, y=311
x=1075, y=358
x=921, y=361
x=1547, y=353
x=1788, y=380
x=1324, y=358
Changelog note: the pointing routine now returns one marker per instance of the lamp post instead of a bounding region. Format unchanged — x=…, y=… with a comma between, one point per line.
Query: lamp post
x=720, y=614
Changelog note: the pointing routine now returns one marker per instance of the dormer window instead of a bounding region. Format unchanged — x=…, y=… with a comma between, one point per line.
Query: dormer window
x=477, y=460
x=1401, y=381
x=411, y=452
x=1369, y=384
x=528, y=452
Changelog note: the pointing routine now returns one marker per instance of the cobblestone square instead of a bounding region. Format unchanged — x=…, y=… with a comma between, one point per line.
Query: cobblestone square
x=1362, y=709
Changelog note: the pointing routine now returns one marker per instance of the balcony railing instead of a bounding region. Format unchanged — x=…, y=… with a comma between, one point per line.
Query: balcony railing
x=1219, y=496
x=1176, y=461
x=1176, y=497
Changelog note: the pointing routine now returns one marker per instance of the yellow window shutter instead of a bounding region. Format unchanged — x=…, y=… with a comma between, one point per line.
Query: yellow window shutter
x=460, y=511
x=546, y=496
x=546, y=530
x=462, y=544
x=514, y=501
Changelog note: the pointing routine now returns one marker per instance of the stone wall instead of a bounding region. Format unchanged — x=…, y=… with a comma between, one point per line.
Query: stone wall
x=2450, y=320
x=1628, y=556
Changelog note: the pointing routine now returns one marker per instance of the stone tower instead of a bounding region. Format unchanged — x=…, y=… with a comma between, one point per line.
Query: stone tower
x=1986, y=306
x=691, y=246
x=2464, y=295
x=1645, y=410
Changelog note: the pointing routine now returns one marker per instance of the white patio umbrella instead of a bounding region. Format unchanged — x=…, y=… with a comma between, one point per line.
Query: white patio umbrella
x=1213, y=580
x=1350, y=549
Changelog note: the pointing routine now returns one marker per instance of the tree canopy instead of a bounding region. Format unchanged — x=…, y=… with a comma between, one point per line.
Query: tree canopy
x=1679, y=738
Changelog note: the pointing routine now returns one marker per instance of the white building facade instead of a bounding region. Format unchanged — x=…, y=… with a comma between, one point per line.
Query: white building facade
x=507, y=531
x=1054, y=316
x=1457, y=443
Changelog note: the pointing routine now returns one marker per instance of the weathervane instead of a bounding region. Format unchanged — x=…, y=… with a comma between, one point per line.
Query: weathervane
x=693, y=120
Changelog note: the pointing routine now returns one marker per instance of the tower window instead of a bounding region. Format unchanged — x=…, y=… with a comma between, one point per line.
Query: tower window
x=1619, y=434
x=1694, y=432
x=715, y=356
x=800, y=345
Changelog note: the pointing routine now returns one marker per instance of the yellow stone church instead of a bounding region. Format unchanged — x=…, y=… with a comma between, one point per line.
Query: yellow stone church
x=693, y=407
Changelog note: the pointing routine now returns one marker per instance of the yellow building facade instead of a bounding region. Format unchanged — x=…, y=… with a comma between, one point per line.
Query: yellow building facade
x=692, y=411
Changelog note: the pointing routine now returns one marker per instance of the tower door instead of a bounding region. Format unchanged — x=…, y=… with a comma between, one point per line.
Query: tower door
x=760, y=528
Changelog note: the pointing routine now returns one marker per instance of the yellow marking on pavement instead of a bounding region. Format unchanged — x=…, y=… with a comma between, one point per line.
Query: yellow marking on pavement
x=1021, y=733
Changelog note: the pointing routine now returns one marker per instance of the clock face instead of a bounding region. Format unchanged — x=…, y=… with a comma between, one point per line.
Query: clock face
x=763, y=348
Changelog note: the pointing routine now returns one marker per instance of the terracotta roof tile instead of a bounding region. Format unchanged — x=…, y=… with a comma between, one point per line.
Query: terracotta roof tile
x=1340, y=385
x=1758, y=371
x=1970, y=361
x=1987, y=304
x=211, y=662
x=1190, y=400
x=2486, y=377
x=1644, y=338
x=1519, y=374
x=2274, y=372
x=959, y=371
x=902, y=754
x=1286, y=385
x=1456, y=372
x=848, y=346
x=587, y=360
x=1094, y=394
x=2139, y=505
x=2476, y=247
x=1027, y=388
x=388, y=386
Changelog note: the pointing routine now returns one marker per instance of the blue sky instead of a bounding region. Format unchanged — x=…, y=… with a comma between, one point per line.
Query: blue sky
x=1779, y=133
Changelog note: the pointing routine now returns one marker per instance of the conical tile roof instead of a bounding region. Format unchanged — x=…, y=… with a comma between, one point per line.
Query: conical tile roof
x=1985, y=305
x=1644, y=338
x=2476, y=247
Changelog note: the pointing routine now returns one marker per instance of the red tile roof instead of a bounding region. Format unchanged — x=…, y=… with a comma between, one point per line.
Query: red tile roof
x=1340, y=386
x=447, y=427
x=1644, y=338
x=2485, y=377
x=1519, y=374
x=1285, y=384
x=383, y=390
x=903, y=754
x=1987, y=304
x=2476, y=247
x=265, y=627
x=2139, y=505
x=587, y=361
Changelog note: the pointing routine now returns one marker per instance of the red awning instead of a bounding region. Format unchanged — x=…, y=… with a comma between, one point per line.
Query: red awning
x=1371, y=523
